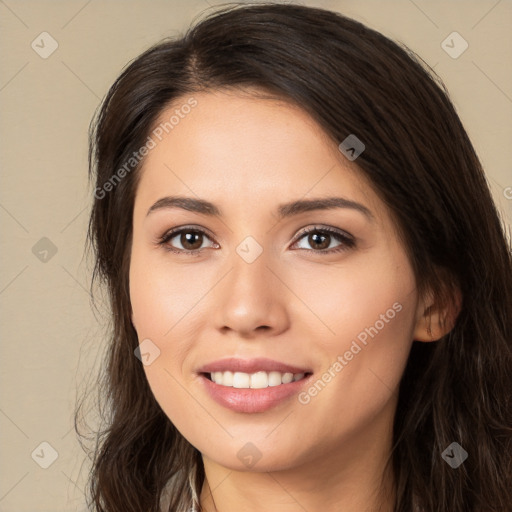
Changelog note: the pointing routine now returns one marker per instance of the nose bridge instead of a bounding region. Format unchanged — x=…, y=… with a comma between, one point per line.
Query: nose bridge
x=250, y=262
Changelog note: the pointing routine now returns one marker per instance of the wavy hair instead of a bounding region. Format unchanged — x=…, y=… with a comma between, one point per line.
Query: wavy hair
x=421, y=163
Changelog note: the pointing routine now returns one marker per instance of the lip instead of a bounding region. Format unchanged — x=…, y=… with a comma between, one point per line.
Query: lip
x=252, y=400
x=261, y=364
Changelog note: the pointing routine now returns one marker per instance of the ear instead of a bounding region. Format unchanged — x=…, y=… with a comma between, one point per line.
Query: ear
x=434, y=321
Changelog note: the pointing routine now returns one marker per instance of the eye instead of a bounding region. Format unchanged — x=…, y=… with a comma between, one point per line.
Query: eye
x=190, y=239
x=321, y=237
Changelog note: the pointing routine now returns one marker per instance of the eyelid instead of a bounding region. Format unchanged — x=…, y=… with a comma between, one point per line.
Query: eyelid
x=171, y=233
x=347, y=241
x=327, y=229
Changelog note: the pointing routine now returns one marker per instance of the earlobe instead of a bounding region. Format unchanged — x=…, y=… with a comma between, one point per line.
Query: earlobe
x=424, y=331
x=435, y=322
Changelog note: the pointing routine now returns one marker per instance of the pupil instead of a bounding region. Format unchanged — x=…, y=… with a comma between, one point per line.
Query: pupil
x=188, y=237
x=323, y=245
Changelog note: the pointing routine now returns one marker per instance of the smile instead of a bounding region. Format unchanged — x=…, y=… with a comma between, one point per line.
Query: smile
x=258, y=380
x=274, y=389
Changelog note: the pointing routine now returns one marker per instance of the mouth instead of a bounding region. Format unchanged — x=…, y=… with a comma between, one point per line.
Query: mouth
x=256, y=392
x=257, y=380
x=252, y=385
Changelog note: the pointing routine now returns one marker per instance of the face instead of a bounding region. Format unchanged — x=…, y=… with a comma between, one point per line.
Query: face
x=325, y=292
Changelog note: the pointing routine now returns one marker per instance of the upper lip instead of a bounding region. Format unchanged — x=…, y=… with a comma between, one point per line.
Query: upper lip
x=261, y=364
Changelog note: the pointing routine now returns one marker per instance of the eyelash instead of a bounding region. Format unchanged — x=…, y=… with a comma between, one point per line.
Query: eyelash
x=347, y=241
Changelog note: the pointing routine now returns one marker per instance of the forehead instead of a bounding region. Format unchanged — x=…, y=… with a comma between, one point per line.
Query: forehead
x=237, y=148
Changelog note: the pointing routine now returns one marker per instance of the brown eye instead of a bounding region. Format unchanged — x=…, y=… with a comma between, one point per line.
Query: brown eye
x=191, y=240
x=319, y=239
x=184, y=240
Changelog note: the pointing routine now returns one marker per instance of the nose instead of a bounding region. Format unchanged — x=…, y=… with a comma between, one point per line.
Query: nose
x=251, y=298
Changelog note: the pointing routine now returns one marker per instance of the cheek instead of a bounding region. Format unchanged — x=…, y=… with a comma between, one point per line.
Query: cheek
x=345, y=300
x=162, y=300
x=365, y=320
x=374, y=323
x=168, y=310
x=164, y=296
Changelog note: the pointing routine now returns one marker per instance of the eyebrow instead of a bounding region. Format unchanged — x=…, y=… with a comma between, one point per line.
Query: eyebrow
x=283, y=211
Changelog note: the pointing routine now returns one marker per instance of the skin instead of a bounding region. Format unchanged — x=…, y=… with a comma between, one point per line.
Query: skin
x=247, y=155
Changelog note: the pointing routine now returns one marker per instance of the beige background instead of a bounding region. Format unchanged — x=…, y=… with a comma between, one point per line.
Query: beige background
x=50, y=336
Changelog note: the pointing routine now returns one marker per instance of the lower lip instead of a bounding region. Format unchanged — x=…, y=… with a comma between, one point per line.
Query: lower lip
x=252, y=400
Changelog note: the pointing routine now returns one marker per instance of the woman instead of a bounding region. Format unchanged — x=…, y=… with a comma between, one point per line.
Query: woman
x=310, y=283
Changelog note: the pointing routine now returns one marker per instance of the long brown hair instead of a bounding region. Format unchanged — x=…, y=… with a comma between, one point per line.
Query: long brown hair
x=418, y=158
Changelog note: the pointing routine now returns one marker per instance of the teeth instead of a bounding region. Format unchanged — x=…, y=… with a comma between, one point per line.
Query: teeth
x=258, y=380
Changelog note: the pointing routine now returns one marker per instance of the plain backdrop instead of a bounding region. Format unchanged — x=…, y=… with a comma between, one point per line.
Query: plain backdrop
x=50, y=336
